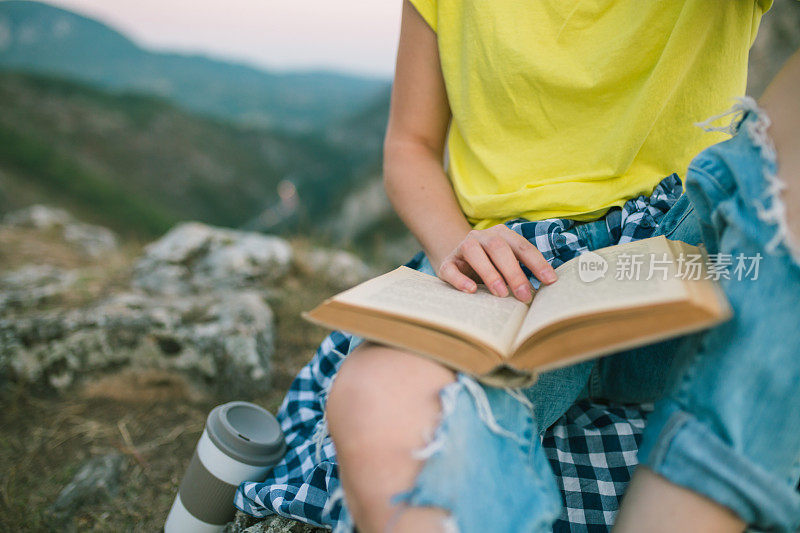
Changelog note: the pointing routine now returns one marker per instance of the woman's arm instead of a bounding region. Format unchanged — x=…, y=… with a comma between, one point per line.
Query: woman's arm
x=413, y=150
x=419, y=189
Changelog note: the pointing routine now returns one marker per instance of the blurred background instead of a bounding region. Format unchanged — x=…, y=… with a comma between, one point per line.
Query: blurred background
x=178, y=181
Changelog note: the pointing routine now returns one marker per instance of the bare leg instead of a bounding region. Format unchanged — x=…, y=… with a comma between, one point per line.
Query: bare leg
x=383, y=404
x=655, y=505
x=652, y=503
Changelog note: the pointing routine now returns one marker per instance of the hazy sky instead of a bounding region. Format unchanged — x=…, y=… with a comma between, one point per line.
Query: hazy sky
x=351, y=35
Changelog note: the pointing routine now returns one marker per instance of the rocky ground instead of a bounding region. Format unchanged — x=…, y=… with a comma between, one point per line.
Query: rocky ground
x=112, y=354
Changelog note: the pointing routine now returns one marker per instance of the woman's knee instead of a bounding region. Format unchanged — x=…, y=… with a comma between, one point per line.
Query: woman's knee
x=379, y=385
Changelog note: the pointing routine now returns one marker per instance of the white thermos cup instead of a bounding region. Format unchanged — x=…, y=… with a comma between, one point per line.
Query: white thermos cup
x=241, y=442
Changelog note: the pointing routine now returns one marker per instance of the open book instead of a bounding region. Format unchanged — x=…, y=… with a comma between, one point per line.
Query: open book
x=604, y=301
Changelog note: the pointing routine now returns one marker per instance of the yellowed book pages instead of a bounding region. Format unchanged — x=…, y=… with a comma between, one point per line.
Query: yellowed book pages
x=650, y=264
x=406, y=292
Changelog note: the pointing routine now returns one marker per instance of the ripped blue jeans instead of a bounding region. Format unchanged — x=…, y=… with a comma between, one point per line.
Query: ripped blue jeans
x=727, y=420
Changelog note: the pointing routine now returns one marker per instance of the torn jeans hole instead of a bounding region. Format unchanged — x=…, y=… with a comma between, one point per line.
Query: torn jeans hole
x=480, y=433
x=770, y=208
x=448, y=398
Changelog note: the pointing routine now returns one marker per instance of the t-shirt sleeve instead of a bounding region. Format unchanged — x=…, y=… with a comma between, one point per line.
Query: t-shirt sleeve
x=765, y=5
x=427, y=8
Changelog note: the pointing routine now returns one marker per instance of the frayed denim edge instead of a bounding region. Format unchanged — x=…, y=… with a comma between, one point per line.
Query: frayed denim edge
x=435, y=443
x=771, y=208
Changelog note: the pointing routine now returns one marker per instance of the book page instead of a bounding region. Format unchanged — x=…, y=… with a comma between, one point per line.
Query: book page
x=408, y=293
x=618, y=277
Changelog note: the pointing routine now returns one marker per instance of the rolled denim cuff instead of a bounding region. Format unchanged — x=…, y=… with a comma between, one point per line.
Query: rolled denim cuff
x=685, y=451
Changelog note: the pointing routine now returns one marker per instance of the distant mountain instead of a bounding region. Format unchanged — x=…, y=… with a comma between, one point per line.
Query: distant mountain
x=41, y=38
x=139, y=164
x=362, y=133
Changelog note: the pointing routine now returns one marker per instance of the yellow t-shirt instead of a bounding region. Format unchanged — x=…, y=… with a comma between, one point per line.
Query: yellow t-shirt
x=565, y=108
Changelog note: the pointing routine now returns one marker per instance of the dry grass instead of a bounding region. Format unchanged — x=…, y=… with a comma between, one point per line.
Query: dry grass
x=46, y=439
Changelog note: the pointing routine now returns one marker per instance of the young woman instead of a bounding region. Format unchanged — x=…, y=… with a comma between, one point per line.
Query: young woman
x=564, y=126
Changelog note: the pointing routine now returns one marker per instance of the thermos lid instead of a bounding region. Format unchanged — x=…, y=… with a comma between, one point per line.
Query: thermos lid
x=247, y=433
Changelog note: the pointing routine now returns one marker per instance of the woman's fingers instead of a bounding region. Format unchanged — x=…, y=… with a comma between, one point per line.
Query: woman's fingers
x=450, y=273
x=493, y=256
x=471, y=250
x=532, y=258
x=505, y=260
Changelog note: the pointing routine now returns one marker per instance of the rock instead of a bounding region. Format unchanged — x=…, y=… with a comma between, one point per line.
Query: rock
x=33, y=285
x=365, y=213
x=361, y=212
x=38, y=217
x=196, y=306
x=194, y=257
x=223, y=339
x=340, y=268
x=243, y=523
x=92, y=240
x=280, y=524
x=96, y=480
x=240, y=522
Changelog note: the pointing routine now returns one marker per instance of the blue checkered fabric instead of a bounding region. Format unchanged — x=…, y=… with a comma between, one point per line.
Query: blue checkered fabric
x=592, y=451
x=592, y=448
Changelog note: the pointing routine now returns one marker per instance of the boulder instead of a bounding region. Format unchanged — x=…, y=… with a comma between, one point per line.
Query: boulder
x=339, y=268
x=93, y=241
x=361, y=212
x=33, y=285
x=195, y=257
x=223, y=339
x=38, y=217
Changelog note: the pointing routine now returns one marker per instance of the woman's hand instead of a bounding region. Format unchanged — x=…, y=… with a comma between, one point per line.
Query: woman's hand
x=493, y=255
